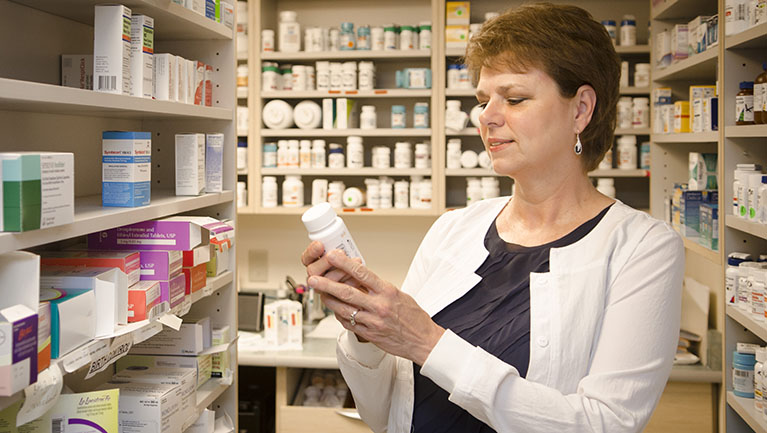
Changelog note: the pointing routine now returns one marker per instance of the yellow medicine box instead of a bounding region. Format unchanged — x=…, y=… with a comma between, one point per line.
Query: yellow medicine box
x=456, y=36
x=681, y=116
x=457, y=12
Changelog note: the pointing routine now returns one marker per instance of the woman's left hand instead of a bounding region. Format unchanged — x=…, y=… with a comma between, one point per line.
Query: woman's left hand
x=386, y=317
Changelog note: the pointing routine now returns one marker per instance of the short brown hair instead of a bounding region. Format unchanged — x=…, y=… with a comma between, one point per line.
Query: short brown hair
x=571, y=47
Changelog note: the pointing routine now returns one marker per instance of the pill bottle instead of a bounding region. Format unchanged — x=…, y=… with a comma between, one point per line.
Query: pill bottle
x=286, y=77
x=453, y=155
x=612, y=29
x=425, y=194
x=453, y=79
x=377, y=38
x=294, y=153
x=386, y=186
x=401, y=194
x=607, y=162
x=469, y=159
x=368, y=117
x=270, y=78
x=363, y=38
x=415, y=191
x=421, y=115
x=335, y=194
x=640, y=112
x=381, y=157
x=323, y=75
x=606, y=186
x=473, y=190
x=760, y=96
x=299, y=78
x=744, y=104
x=242, y=76
x=282, y=153
x=292, y=191
x=353, y=197
x=424, y=35
x=277, y=114
x=325, y=226
x=367, y=76
x=242, y=154
x=474, y=28
x=474, y=114
x=422, y=155
x=267, y=40
x=312, y=39
x=759, y=375
x=406, y=41
x=290, y=33
x=627, y=152
x=402, y=155
x=484, y=160
x=269, y=191
x=373, y=193
x=349, y=76
x=318, y=154
x=242, y=194
x=743, y=374
x=625, y=112
x=346, y=37
x=628, y=31
x=335, y=156
x=642, y=75
x=490, y=188
x=644, y=156
x=319, y=191
x=398, y=114
x=270, y=155
x=310, y=78
x=624, y=77
x=757, y=281
x=336, y=76
x=305, y=154
x=355, y=152
x=334, y=39
x=464, y=79
x=307, y=115
x=731, y=275
x=391, y=42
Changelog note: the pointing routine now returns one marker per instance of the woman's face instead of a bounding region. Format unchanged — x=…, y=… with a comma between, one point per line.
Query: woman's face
x=526, y=125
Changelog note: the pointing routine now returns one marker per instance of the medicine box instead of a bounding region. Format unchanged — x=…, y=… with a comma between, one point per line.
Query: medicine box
x=220, y=335
x=681, y=116
x=190, y=164
x=173, y=291
x=147, y=407
x=214, y=162
x=196, y=5
x=73, y=318
x=38, y=190
x=174, y=233
x=663, y=49
x=191, y=80
x=111, y=49
x=679, y=42
x=126, y=168
x=23, y=268
x=77, y=71
x=208, y=85
x=43, y=336
x=200, y=363
x=711, y=114
x=182, y=80
x=346, y=113
x=165, y=70
x=456, y=36
x=210, y=9
x=126, y=261
x=199, y=83
x=697, y=95
x=227, y=14
x=18, y=349
x=709, y=226
x=192, y=338
x=109, y=285
x=160, y=265
x=697, y=34
x=221, y=242
x=142, y=56
x=142, y=297
x=328, y=113
x=457, y=12
x=196, y=277
x=197, y=256
x=91, y=412
x=283, y=324
x=702, y=171
x=184, y=380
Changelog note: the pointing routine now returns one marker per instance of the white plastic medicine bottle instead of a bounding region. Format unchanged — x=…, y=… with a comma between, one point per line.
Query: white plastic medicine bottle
x=325, y=226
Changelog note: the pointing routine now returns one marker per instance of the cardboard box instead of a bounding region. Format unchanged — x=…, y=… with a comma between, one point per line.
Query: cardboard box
x=111, y=49
x=174, y=233
x=196, y=5
x=77, y=71
x=184, y=380
x=709, y=226
x=697, y=35
x=697, y=95
x=456, y=36
x=679, y=42
x=221, y=242
x=165, y=80
x=208, y=85
x=283, y=325
x=142, y=298
x=702, y=171
x=23, y=268
x=182, y=80
x=196, y=277
x=457, y=12
x=220, y=361
x=126, y=261
x=95, y=411
x=160, y=265
x=681, y=116
x=214, y=163
x=346, y=113
x=200, y=363
x=711, y=114
x=142, y=56
x=147, y=407
x=173, y=291
x=190, y=164
x=191, y=80
x=18, y=349
x=328, y=113
x=109, y=285
x=126, y=168
x=663, y=49
x=73, y=318
x=43, y=336
x=38, y=190
x=193, y=337
x=199, y=83
x=197, y=256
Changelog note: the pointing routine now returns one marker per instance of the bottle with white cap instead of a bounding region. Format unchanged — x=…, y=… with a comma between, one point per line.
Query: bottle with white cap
x=289, y=33
x=325, y=226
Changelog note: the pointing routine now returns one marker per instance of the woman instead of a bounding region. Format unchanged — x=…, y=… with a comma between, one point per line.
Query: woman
x=554, y=310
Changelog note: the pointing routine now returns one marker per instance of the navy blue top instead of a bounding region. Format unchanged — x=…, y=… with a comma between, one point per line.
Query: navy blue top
x=494, y=315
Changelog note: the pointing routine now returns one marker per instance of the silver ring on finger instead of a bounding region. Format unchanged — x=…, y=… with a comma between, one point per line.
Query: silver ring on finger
x=353, y=317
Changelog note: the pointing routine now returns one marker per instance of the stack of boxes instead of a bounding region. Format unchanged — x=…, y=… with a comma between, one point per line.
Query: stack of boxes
x=457, y=14
x=685, y=40
x=694, y=207
x=699, y=114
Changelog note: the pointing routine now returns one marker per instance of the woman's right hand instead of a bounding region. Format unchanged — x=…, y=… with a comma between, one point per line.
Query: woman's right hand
x=316, y=263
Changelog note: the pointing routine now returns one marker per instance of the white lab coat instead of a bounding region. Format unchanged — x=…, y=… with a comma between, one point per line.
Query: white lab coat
x=604, y=326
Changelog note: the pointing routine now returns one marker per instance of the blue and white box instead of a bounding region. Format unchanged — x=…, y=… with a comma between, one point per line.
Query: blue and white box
x=214, y=162
x=126, y=168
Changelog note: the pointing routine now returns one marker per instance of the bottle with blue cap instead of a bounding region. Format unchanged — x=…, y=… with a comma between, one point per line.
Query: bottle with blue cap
x=744, y=104
x=612, y=29
x=743, y=360
x=628, y=31
x=731, y=275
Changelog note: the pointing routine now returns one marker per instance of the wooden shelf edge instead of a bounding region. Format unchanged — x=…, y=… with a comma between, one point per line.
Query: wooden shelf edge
x=710, y=255
x=745, y=408
x=754, y=229
x=757, y=328
x=681, y=66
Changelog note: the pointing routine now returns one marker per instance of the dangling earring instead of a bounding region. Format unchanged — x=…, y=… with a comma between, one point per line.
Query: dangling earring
x=578, y=145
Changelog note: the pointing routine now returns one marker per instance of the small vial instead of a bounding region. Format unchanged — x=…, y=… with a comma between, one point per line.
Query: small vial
x=269, y=155
x=421, y=115
x=398, y=116
x=325, y=226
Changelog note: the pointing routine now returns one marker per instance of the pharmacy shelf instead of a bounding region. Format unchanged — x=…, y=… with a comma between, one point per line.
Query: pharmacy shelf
x=242, y=92
x=315, y=133
x=455, y=51
x=464, y=172
x=91, y=217
x=171, y=21
x=747, y=320
x=745, y=131
x=755, y=37
x=344, y=211
x=242, y=172
x=242, y=57
x=632, y=131
x=635, y=90
x=333, y=172
x=209, y=392
x=687, y=137
x=700, y=66
x=377, y=93
x=470, y=131
x=745, y=408
x=17, y=95
x=461, y=93
x=632, y=49
x=752, y=228
x=710, y=255
x=672, y=10
x=347, y=55
x=695, y=373
x=617, y=172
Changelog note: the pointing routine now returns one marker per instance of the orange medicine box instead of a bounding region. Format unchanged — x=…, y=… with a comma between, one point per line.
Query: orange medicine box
x=126, y=261
x=196, y=277
x=681, y=116
x=197, y=256
x=142, y=297
x=457, y=12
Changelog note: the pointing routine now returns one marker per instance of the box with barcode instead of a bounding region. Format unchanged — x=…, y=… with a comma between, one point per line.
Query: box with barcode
x=192, y=338
x=142, y=298
x=200, y=363
x=165, y=82
x=126, y=168
x=111, y=49
x=190, y=164
x=77, y=71
x=147, y=407
x=142, y=56
x=185, y=380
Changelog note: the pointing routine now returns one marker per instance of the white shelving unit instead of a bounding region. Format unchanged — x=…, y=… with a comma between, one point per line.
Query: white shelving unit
x=36, y=113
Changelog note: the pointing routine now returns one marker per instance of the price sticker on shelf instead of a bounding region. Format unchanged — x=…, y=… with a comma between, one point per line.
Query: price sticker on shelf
x=119, y=348
x=40, y=397
x=84, y=355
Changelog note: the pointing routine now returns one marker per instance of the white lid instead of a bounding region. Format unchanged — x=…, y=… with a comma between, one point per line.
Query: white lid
x=401, y=184
x=371, y=181
x=294, y=177
x=642, y=66
x=489, y=181
x=282, y=143
x=288, y=16
x=421, y=146
x=625, y=100
x=366, y=65
x=292, y=143
x=402, y=145
x=267, y=179
x=337, y=184
x=319, y=216
x=277, y=114
x=353, y=197
x=307, y=114
x=353, y=139
x=473, y=182
x=473, y=28
x=605, y=181
x=454, y=141
x=320, y=143
x=368, y=108
x=469, y=159
x=296, y=68
x=306, y=143
x=267, y=32
x=453, y=104
x=351, y=66
x=641, y=101
x=336, y=65
x=484, y=159
x=490, y=15
x=627, y=140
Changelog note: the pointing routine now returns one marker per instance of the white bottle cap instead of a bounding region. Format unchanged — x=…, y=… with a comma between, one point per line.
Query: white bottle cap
x=454, y=105
x=318, y=216
x=469, y=159
x=288, y=16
